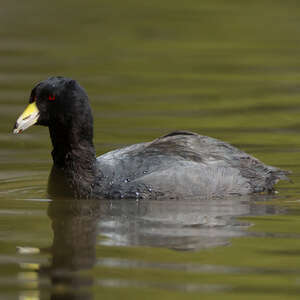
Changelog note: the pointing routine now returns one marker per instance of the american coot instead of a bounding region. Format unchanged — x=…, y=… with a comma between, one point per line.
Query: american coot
x=177, y=165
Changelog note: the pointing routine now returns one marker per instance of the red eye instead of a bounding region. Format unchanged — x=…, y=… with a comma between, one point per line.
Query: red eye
x=51, y=98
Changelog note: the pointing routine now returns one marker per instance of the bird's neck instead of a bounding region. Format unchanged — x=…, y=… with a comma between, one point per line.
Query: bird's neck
x=76, y=159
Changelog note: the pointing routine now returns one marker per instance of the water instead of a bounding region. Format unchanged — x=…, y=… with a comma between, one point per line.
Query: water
x=221, y=68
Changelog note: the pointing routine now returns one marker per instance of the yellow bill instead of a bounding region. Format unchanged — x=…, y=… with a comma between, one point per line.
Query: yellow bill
x=28, y=118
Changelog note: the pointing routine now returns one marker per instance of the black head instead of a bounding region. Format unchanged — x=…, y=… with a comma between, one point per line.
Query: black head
x=61, y=104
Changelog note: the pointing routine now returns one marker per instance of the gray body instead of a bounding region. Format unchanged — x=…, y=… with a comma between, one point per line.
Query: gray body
x=183, y=164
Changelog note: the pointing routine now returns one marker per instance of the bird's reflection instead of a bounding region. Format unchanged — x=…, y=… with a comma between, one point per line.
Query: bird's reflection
x=185, y=225
x=189, y=224
x=74, y=225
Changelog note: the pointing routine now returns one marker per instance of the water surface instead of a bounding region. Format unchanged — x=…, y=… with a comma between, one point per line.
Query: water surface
x=221, y=68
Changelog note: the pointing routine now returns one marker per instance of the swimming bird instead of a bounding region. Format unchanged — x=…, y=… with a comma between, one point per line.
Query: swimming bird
x=177, y=165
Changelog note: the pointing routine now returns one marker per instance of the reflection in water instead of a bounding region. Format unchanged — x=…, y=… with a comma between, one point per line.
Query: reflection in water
x=184, y=225
x=74, y=225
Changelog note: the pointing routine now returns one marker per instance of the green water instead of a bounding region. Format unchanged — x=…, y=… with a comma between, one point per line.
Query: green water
x=228, y=69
